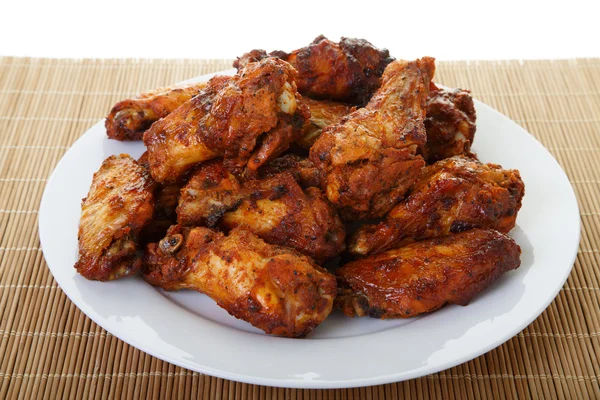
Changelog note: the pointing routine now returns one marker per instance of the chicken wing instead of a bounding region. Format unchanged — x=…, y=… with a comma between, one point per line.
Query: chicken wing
x=211, y=191
x=302, y=169
x=276, y=209
x=248, y=120
x=369, y=160
x=130, y=118
x=322, y=114
x=452, y=195
x=450, y=123
x=119, y=204
x=166, y=198
x=275, y=289
x=421, y=277
x=347, y=71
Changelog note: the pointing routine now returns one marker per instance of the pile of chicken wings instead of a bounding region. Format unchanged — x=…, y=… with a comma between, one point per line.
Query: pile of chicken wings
x=331, y=176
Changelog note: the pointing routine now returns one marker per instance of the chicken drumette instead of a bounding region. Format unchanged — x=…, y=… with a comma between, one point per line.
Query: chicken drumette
x=421, y=277
x=119, y=204
x=247, y=119
x=347, y=71
x=274, y=288
x=369, y=160
x=452, y=195
x=276, y=209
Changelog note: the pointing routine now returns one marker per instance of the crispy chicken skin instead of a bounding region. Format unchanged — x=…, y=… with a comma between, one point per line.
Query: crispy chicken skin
x=211, y=191
x=120, y=202
x=166, y=198
x=421, y=277
x=280, y=212
x=347, y=71
x=322, y=114
x=450, y=123
x=130, y=118
x=452, y=195
x=274, y=288
x=247, y=119
x=302, y=169
x=276, y=209
x=369, y=160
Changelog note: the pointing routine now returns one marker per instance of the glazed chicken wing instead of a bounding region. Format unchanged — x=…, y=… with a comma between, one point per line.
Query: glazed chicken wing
x=275, y=289
x=130, y=118
x=421, y=277
x=450, y=123
x=119, y=204
x=347, y=71
x=322, y=114
x=452, y=195
x=275, y=209
x=369, y=160
x=248, y=120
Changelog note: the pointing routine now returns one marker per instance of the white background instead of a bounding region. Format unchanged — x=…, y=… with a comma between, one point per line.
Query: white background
x=194, y=29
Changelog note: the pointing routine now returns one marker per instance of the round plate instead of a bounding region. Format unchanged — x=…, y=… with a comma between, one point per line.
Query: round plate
x=188, y=329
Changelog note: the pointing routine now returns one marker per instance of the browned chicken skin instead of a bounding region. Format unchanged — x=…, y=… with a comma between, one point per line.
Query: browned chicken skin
x=166, y=197
x=276, y=209
x=119, y=204
x=450, y=123
x=274, y=288
x=421, y=277
x=302, y=169
x=322, y=114
x=452, y=195
x=369, y=160
x=130, y=118
x=347, y=71
x=247, y=119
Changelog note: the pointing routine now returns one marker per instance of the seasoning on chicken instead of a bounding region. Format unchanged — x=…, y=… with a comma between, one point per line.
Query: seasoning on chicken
x=276, y=209
x=302, y=169
x=421, y=277
x=322, y=114
x=450, y=123
x=368, y=161
x=274, y=288
x=452, y=195
x=346, y=71
x=247, y=119
x=130, y=118
x=119, y=204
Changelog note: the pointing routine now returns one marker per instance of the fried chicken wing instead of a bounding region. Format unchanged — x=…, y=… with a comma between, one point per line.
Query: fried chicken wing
x=130, y=118
x=276, y=209
x=347, y=71
x=450, y=123
x=452, y=195
x=166, y=197
x=211, y=191
x=119, y=204
x=369, y=160
x=322, y=114
x=421, y=277
x=302, y=169
x=280, y=212
x=274, y=288
x=247, y=119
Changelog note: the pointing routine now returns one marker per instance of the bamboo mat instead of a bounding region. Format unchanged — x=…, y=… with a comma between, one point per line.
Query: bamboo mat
x=49, y=349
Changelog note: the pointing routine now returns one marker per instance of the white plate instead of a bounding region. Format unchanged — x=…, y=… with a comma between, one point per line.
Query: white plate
x=189, y=330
